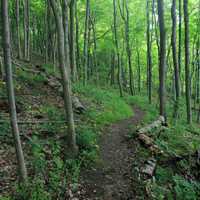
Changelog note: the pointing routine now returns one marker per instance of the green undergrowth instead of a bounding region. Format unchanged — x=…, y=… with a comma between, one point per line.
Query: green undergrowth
x=179, y=139
x=106, y=105
x=51, y=174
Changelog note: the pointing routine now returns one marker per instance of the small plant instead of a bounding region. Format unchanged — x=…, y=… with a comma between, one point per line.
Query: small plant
x=33, y=190
x=186, y=190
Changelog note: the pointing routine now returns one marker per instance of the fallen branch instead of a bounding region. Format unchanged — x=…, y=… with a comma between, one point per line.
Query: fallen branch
x=156, y=124
x=78, y=106
x=149, y=168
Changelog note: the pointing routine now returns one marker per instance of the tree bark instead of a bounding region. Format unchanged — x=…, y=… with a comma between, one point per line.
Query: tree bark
x=10, y=91
x=187, y=63
x=56, y=7
x=139, y=70
x=78, y=62
x=72, y=41
x=149, y=56
x=162, y=57
x=117, y=47
x=86, y=35
x=27, y=30
x=175, y=62
x=18, y=30
x=180, y=37
x=128, y=49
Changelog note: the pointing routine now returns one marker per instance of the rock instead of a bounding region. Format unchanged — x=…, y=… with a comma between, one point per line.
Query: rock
x=149, y=167
x=146, y=140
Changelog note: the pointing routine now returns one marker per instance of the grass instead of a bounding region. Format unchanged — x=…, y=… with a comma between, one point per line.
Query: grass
x=106, y=105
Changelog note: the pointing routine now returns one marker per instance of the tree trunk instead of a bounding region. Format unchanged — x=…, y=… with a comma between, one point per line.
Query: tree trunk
x=27, y=30
x=78, y=62
x=112, y=68
x=18, y=30
x=93, y=23
x=162, y=57
x=72, y=42
x=10, y=91
x=187, y=63
x=139, y=70
x=180, y=37
x=65, y=21
x=86, y=35
x=56, y=7
x=117, y=47
x=175, y=62
x=149, y=56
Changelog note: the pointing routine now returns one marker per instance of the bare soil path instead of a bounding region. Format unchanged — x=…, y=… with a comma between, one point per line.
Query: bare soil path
x=112, y=179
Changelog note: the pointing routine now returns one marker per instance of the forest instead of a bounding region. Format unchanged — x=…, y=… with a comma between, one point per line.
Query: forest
x=99, y=100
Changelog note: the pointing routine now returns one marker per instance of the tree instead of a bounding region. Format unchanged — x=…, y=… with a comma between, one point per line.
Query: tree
x=149, y=56
x=18, y=29
x=86, y=37
x=26, y=30
x=175, y=62
x=56, y=7
x=10, y=90
x=126, y=16
x=117, y=46
x=180, y=36
x=187, y=63
x=162, y=57
x=72, y=41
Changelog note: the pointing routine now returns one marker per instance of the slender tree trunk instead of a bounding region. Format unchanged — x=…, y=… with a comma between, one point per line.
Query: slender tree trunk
x=162, y=57
x=93, y=23
x=18, y=30
x=128, y=49
x=78, y=62
x=56, y=7
x=198, y=80
x=46, y=32
x=117, y=47
x=139, y=70
x=175, y=62
x=10, y=90
x=155, y=25
x=72, y=41
x=149, y=56
x=180, y=37
x=112, y=80
x=2, y=72
x=65, y=21
x=27, y=30
x=86, y=35
x=187, y=62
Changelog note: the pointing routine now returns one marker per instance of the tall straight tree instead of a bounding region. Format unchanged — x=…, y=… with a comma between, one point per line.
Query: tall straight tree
x=18, y=29
x=57, y=10
x=187, y=63
x=162, y=57
x=78, y=62
x=117, y=47
x=149, y=56
x=86, y=37
x=175, y=61
x=72, y=41
x=10, y=90
x=180, y=36
x=128, y=49
x=126, y=18
x=27, y=29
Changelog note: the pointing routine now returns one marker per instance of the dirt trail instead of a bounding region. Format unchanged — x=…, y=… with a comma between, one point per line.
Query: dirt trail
x=112, y=180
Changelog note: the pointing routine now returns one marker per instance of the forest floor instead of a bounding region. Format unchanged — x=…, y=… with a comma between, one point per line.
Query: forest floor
x=111, y=157
x=112, y=179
